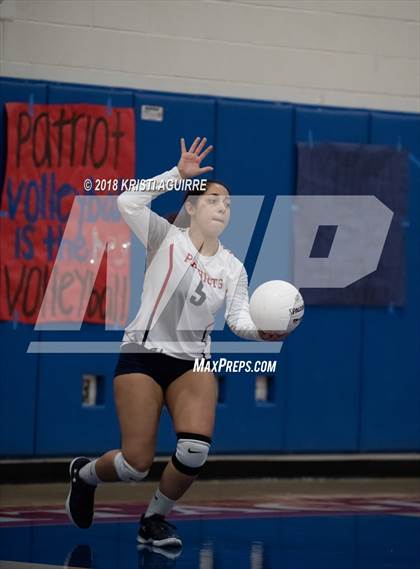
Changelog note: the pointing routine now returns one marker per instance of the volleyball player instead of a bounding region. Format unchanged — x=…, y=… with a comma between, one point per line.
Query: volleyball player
x=189, y=276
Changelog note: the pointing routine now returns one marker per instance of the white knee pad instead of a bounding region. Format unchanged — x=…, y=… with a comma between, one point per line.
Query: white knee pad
x=191, y=453
x=125, y=472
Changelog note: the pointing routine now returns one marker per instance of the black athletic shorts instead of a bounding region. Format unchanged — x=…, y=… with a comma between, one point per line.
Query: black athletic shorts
x=162, y=368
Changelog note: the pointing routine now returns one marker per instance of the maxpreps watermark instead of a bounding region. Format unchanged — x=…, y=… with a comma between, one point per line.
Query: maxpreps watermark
x=140, y=185
x=234, y=366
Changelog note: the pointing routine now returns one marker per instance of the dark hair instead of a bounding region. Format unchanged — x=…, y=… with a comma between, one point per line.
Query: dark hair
x=181, y=217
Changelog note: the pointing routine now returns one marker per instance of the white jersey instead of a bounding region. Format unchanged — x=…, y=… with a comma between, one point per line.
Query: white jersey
x=182, y=289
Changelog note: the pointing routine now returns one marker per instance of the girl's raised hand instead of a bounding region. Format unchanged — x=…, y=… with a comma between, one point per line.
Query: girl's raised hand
x=189, y=163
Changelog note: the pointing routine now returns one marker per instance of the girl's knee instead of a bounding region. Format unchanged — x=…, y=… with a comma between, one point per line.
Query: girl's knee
x=138, y=459
x=131, y=469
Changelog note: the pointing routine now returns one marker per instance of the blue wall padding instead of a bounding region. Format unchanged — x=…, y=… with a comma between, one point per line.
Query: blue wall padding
x=347, y=379
x=322, y=377
x=245, y=425
x=390, y=394
x=58, y=94
x=19, y=381
x=320, y=125
x=253, y=147
x=63, y=424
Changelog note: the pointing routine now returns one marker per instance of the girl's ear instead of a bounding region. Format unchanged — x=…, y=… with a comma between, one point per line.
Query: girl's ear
x=189, y=208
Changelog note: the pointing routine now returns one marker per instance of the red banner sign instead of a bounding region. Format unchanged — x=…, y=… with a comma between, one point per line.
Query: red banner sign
x=51, y=151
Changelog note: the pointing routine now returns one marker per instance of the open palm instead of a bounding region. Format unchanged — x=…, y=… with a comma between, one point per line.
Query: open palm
x=189, y=163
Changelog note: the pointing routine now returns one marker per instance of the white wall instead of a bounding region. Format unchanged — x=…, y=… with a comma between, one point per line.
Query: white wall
x=355, y=53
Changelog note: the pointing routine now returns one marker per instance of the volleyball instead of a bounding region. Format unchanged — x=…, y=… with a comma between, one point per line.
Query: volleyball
x=277, y=306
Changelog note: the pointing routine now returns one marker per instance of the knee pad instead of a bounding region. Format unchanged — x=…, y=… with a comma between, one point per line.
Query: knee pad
x=191, y=453
x=125, y=472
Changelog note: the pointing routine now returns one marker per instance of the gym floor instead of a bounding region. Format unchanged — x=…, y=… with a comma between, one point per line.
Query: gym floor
x=256, y=524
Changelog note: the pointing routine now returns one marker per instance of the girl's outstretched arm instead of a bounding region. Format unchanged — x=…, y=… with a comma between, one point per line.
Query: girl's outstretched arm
x=149, y=227
x=237, y=313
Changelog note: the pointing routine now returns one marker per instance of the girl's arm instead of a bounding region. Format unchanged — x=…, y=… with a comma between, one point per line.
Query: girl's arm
x=149, y=227
x=237, y=313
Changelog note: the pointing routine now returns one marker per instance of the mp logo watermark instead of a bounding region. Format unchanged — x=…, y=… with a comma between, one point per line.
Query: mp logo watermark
x=94, y=228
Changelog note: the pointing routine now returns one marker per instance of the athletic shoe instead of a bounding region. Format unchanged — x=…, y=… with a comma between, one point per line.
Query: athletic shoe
x=81, y=498
x=155, y=530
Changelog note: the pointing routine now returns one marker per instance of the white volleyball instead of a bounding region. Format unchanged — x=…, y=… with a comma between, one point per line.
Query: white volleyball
x=276, y=306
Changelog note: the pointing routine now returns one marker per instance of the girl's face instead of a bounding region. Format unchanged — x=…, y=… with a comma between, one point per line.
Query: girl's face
x=211, y=211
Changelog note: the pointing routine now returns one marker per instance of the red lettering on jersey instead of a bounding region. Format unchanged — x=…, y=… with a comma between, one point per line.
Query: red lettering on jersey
x=215, y=283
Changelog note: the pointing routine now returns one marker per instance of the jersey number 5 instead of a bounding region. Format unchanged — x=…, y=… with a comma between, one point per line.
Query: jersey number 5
x=198, y=301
